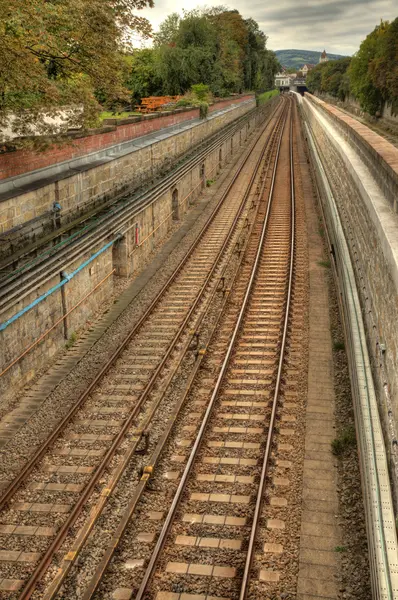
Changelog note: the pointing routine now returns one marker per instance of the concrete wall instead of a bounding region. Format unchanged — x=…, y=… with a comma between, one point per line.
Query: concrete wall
x=362, y=169
x=124, y=257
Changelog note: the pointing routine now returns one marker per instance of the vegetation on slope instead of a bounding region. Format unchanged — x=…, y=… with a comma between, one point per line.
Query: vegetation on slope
x=265, y=96
x=371, y=75
x=295, y=59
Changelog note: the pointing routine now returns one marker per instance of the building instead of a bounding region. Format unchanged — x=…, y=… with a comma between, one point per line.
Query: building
x=284, y=80
x=324, y=57
x=307, y=67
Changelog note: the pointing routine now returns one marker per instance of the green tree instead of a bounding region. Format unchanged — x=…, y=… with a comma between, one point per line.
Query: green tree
x=143, y=79
x=361, y=80
x=55, y=53
x=168, y=30
x=383, y=69
x=330, y=78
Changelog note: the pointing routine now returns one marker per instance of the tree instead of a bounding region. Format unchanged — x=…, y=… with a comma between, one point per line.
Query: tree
x=143, y=79
x=383, y=69
x=168, y=30
x=58, y=53
x=330, y=78
x=361, y=81
x=216, y=47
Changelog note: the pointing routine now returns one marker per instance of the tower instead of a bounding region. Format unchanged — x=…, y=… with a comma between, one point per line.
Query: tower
x=324, y=57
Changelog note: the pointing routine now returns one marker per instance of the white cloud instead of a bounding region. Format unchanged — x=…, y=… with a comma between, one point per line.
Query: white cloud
x=339, y=26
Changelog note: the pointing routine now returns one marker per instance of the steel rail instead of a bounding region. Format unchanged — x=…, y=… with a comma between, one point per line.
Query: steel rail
x=73, y=515
x=267, y=452
x=72, y=555
x=110, y=224
x=181, y=487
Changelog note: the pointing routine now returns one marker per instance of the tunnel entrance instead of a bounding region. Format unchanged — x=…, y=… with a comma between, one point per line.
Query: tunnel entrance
x=301, y=89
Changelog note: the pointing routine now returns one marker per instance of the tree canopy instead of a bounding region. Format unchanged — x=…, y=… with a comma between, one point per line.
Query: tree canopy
x=62, y=53
x=215, y=47
x=330, y=77
x=371, y=75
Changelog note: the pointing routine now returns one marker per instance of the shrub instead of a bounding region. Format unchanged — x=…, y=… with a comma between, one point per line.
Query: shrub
x=201, y=91
x=346, y=440
x=203, y=110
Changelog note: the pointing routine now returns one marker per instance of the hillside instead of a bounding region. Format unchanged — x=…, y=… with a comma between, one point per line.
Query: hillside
x=297, y=58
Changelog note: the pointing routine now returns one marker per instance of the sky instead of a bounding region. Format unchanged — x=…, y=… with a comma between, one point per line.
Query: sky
x=338, y=26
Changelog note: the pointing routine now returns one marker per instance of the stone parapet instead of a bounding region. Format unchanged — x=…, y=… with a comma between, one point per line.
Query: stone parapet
x=380, y=156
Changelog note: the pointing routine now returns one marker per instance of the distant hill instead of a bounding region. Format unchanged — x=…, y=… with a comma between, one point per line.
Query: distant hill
x=295, y=59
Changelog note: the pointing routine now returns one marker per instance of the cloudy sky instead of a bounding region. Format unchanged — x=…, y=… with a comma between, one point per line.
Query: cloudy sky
x=313, y=25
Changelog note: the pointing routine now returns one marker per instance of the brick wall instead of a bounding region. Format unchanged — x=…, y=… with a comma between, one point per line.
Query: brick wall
x=24, y=161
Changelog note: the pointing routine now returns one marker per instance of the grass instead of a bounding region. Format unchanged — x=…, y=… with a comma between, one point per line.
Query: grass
x=346, y=440
x=338, y=346
x=209, y=182
x=72, y=339
x=324, y=263
x=340, y=549
x=265, y=96
x=107, y=114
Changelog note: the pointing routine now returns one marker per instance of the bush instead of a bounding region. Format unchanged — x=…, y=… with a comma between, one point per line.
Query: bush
x=203, y=110
x=346, y=440
x=201, y=91
x=265, y=96
x=184, y=102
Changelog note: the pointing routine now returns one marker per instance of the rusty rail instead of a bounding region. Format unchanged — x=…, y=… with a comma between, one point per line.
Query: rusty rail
x=181, y=487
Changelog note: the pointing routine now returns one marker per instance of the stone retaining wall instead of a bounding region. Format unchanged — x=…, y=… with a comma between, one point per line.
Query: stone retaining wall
x=362, y=169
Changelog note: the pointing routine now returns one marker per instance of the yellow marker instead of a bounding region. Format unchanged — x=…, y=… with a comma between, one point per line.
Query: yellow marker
x=70, y=555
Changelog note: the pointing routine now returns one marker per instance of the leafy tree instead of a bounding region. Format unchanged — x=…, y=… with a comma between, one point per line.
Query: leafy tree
x=55, y=53
x=330, y=78
x=216, y=47
x=142, y=79
x=168, y=30
x=361, y=80
x=383, y=69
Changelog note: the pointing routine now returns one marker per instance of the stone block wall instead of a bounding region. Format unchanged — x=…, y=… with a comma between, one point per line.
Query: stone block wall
x=124, y=257
x=363, y=194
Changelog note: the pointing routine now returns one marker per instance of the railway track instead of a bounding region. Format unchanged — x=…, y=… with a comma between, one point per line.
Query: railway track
x=53, y=491
x=207, y=546
x=257, y=312
x=212, y=521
